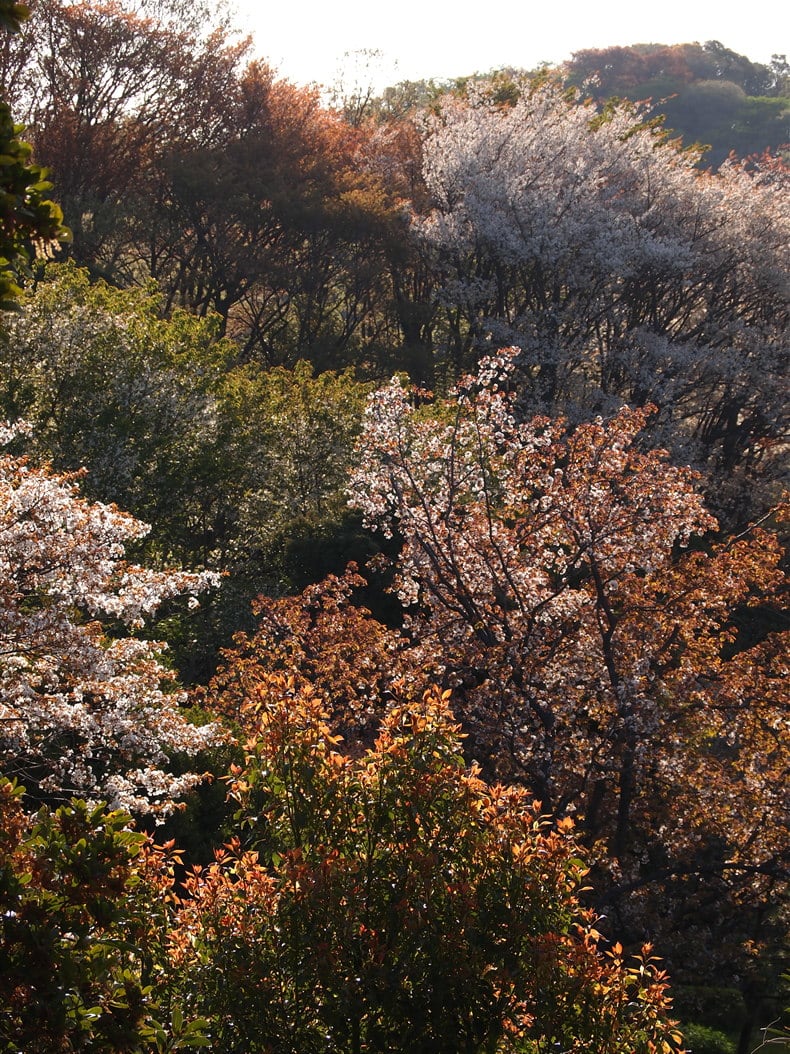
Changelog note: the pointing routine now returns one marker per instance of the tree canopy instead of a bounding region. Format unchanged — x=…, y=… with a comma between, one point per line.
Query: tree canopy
x=492, y=691
x=85, y=708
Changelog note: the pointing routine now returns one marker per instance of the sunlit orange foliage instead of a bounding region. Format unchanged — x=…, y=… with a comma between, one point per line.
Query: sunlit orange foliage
x=397, y=901
x=319, y=639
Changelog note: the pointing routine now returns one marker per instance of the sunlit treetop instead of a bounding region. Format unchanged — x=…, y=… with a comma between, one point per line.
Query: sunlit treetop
x=85, y=707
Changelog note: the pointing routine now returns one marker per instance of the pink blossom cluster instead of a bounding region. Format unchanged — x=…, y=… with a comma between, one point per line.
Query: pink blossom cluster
x=520, y=542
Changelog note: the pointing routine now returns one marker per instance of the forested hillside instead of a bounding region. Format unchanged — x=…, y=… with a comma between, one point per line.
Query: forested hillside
x=707, y=93
x=393, y=512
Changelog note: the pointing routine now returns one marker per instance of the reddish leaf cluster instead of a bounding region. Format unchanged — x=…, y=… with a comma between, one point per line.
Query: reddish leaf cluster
x=319, y=639
x=396, y=900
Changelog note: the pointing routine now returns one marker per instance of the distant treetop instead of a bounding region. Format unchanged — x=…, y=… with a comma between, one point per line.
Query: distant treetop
x=706, y=92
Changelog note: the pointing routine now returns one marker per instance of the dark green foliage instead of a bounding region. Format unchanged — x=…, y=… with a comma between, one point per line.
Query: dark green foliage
x=720, y=114
x=82, y=929
x=30, y=224
x=718, y=1008
x=206, y=821
x=13, y=15
x=702, y=1040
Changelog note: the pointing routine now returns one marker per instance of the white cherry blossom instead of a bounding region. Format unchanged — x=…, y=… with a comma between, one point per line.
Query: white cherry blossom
x=85, y=708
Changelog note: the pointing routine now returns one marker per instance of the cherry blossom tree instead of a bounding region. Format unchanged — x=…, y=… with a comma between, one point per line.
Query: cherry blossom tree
x=85, y=708
x=556, y=578
x=621, y=271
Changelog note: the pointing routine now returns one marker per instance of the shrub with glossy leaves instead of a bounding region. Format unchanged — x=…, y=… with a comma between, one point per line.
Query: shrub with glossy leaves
x=395, y=901
x=83, y=921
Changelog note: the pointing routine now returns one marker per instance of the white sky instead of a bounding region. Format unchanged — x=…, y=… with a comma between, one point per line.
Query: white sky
x=305, y=41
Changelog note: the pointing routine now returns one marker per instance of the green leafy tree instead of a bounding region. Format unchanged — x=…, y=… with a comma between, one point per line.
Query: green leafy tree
x=237, y=468
x=109, y=385
x=142, y=402
x=30, y=223
x=294, y=434
x=707, y=93
x=720, y=114
x=83, y=926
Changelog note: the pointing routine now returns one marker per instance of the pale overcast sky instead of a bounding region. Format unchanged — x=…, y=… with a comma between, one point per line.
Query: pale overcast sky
x=305, y=41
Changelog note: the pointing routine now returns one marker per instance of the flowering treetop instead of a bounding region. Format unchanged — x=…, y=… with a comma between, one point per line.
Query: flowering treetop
x=84, y=707
x=566, y=583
